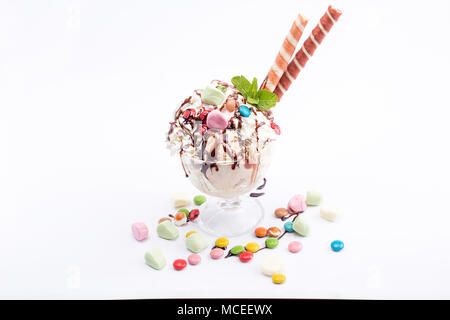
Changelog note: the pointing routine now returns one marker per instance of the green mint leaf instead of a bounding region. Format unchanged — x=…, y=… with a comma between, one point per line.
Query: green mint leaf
x=242, y=84
x=254, y=101
x=222, y=88
x=266, y=99
x=254, y=89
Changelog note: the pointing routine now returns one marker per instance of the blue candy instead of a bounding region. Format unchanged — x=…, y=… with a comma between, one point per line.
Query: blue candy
x=337, y=245
x=244, y=111
x=288, y=226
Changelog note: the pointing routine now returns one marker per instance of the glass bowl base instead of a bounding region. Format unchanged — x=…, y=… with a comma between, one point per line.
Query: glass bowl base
x=230, y=218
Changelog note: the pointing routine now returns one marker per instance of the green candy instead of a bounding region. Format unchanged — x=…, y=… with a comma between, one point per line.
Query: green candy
x=185, y=211
x=271, y=243
x=155, y=259
x=198, y=200
x=313, y=198
x=167, y=230
x=196, y=242
x=237, y=250
x=213, y=96
x=222, y=88
x=301, y=227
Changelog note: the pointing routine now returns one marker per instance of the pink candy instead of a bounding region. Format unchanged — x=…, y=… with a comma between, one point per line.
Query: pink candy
x=297, y=204
x=216, y=253
x=216, y=120
x=194, y=259
x=140, y=231
x=295, y=246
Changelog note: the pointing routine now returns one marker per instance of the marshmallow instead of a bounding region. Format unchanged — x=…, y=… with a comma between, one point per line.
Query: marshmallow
x=271, y=265
x=140, y=231
x=301, y=227
x=167, y=230
x=213, y=96
x=180, y=199
x=313, y=197
x=216, y=120
x=155, y=259
x=330, y=213
x=297, y=204
x=196, y=242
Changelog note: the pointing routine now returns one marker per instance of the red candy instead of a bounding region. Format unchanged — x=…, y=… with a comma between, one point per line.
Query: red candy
x=179, y=264
x=194, y=214
x=203, y=129
x=275, y=128
x=246, y=256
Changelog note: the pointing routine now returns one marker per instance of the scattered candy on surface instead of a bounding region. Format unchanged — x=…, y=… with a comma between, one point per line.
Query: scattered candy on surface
x=281, y=212
x=140, y=231
x=260, y=232
x=246, y=256
x=274, y=232
x=194, y=259
x=313, y=198
x=297, y=204
x=216, y=120
x=180, y=219
x=196, y=242
x=295, y=246
x=271, y=265
x=244, y=111
x=222, y=242
x=337, y=245
x=179, y=264
x=237, y=250
x=271, y=243
x=194, y=214
x=301, y=226
x=167, y=230
x=186, y=211
x=216, y=253
x=330, y=213
x=212, y=95
x=252, y=247
x=155, y=258
x=278, y=278
x=189, y=233
x=164, y=219
x=180, y=199
x=288, y=226
x=199, y=200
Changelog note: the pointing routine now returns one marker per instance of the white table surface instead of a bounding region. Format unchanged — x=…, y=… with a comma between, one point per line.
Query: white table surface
x=86, y=92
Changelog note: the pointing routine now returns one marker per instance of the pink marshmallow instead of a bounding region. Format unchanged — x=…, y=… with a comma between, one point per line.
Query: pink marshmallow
x=140, y=231
x=216, y=120
x=297, y=204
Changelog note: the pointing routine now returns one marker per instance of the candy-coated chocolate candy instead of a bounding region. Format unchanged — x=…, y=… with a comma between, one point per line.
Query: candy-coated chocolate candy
x=252, y=247
x=295, y=246
x=222, y=242
x=281, y=212
x=337, y=245
x=278, y=278
x=275, y=128
x=288, y=226
x=313, y=197
x=213, y=96
x=301, y=226
x=140, y=231
x=200, y=199
x=244, y=111
x=237, y=249
x=230, y=105
x=179, y=264
x=180, y=219
x=274, y=232
x=180, y=199
x=196, y=242
x=167, y=230
x=271, y=243
x=216, y=120
x=186, y=211
x=164, y=219
x=297, y=204
x=194, y=259
x=194, y=214
x=189, y=233
x=155, y=259
x=330, y=213
x=271, y=265
x=216, y=253
x=261, y=232
x=246, y=256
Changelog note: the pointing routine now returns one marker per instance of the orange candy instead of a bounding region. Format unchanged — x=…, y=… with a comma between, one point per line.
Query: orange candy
x=274, y=232
x=261, y=232
x=281, y=212
x=180, y=215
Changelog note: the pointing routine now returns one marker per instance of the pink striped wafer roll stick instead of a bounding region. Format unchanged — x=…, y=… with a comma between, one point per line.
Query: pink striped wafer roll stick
x=285, y=54
x=307, y=50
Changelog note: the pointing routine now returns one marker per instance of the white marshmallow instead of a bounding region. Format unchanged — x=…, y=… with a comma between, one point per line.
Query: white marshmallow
x=180, y=199
x=330, y=213
x=271, y=265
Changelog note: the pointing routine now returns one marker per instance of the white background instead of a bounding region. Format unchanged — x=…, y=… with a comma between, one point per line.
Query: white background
x=86, y=92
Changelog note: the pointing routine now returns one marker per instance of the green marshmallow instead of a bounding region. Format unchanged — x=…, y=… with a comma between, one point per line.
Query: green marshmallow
x=301, y=227
x=155, y=259
x=313, y=198
x=213, y=96
x=167, y=230
x=196, y=242
x=198, y=200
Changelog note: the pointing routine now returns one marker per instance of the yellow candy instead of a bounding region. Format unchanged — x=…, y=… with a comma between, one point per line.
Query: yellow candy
x=189, y=233
x=252, y=247
x=278, y=278
x=222, y=242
